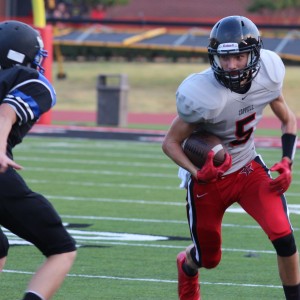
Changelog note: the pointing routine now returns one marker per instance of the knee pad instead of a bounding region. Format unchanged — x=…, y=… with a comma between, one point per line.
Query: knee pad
x=285, y=246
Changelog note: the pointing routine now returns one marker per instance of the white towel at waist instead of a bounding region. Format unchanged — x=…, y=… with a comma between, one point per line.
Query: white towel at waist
x=185, y=176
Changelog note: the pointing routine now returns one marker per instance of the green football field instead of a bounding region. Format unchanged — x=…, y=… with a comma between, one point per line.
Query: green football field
x=120, y=200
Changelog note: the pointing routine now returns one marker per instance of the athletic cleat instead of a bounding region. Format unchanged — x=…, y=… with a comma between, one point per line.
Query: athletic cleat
x=188, y=287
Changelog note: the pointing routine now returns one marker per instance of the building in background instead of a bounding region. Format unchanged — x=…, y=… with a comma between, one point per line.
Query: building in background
x=14, y=8
x=162, y=10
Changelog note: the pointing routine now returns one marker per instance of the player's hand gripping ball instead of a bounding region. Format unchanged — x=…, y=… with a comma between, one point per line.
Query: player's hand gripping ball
x=197, y=146
x=207, y=153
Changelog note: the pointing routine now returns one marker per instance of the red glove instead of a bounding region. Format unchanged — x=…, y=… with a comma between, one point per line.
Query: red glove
x=283, y=181
x=210, y=173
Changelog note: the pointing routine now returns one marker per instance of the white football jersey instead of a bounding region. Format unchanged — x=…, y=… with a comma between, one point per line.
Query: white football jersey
x=233, y=117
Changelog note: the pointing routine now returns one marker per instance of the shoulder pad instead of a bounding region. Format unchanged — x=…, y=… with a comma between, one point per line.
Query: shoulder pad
x=200, y=97
x=272, y=70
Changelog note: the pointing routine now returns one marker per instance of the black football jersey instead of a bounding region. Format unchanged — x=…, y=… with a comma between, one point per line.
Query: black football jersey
x=30, y=94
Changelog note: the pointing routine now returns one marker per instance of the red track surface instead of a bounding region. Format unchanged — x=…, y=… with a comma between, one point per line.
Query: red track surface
x=162, y=119
x=143, y=118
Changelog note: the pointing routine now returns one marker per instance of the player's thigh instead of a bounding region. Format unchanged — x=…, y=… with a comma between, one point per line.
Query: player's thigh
x=268, y=208
x=33, y=218
x=205, y=211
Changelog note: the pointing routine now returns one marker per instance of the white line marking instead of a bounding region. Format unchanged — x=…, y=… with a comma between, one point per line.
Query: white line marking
x=151, y=280
x=102, y=218
x=98, y=172
x=101, y=184
x=121, y=155
x=98, y=162
x=293, y=208
x=133, y=186
x=123, y=219
x=110, y=200
x=178, y=247
x=83, y=240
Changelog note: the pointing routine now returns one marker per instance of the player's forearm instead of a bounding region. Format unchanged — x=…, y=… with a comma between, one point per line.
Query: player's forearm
x=174, y=151
x=7, y=119
x=290, y=126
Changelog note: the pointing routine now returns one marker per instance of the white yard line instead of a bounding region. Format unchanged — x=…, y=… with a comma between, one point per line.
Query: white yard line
x=150, y=280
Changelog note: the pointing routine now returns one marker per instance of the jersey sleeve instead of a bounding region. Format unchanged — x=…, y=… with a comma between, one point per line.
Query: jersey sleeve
x=198, y=99
x=30, y=97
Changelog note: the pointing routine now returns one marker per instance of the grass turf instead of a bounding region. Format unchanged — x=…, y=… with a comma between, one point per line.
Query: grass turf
x=152, y=86
x=116, y=198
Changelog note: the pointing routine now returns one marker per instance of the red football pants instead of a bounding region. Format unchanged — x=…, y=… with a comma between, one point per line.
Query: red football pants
x=249, y=187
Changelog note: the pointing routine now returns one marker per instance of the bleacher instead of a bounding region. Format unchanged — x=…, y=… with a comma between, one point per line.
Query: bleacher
x=172, y=29
x=100, y=40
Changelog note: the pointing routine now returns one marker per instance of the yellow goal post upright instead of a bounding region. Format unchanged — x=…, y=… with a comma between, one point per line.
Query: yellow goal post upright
x=39, y=22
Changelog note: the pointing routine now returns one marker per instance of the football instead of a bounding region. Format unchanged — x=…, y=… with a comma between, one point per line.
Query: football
x=197, y=146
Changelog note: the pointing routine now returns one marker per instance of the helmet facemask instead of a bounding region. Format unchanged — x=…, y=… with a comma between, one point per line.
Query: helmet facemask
x=38, y=61
x=242, y=77
x=39, y=58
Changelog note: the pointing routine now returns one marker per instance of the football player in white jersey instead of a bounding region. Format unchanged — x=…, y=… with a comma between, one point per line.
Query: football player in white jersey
x=228, y=100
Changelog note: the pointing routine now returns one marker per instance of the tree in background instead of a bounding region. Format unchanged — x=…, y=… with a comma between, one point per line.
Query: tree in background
x=273, y=5
x=278, y=11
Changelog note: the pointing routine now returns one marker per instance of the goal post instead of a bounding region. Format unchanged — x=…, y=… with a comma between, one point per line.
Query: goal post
x=39, y=22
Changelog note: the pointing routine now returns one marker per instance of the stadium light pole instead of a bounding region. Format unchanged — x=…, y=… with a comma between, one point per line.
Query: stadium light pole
x=39, y=22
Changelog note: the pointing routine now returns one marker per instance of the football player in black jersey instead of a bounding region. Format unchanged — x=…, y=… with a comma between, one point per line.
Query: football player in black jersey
x=25, y=94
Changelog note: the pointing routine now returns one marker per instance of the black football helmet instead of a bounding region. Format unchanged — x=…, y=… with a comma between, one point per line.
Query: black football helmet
x=234, y=35
x=20, y=44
